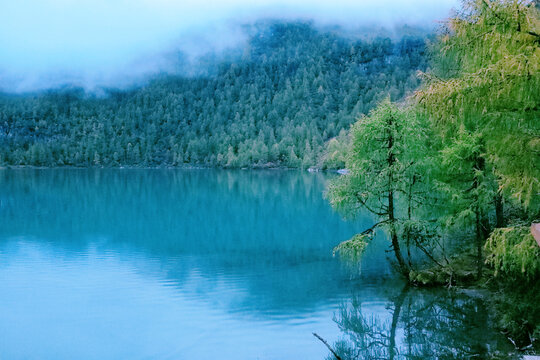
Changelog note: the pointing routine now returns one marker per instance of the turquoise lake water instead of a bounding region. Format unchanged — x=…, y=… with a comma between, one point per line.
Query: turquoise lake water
x=205, y=264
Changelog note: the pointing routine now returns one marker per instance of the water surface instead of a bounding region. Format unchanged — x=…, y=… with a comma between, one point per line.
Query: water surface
x=204, y=264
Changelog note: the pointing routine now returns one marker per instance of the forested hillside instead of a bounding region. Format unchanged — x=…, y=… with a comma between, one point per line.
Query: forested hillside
x=277, y=104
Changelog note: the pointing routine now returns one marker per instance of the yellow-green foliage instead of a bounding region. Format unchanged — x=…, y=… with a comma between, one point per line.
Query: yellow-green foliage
x=388, y=176
x=466, y=188
x=513, y=250
x=353, y=248
x=491, y=83
x=371, y=177
x=334, y=156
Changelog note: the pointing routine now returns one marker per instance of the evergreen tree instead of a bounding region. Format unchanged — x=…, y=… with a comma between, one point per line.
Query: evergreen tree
x=483, y=95
x=488, y=79
x=386, y=161
x=287, y=89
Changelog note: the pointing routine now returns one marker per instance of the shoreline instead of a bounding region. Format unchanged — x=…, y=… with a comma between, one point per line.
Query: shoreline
x=257, y=168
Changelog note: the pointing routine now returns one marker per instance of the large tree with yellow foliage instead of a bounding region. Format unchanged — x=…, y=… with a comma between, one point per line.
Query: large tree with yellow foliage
x=489, y=81
x=486, y=81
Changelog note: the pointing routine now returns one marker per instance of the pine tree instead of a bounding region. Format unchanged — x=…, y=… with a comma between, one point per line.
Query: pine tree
x=386, y=160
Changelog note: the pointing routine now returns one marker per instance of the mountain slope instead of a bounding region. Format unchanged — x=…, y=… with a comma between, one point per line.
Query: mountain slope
x=291, y=90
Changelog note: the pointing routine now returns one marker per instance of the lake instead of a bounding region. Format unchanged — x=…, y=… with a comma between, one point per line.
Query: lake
x=207, y=264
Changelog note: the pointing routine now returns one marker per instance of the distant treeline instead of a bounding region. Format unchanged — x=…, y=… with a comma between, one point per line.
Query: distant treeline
x=291, y=90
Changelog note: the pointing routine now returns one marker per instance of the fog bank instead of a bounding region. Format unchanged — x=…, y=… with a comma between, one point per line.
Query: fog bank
x=116, y=43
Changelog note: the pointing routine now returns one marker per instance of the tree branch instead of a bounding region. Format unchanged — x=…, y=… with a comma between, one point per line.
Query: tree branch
x=362, y=201
x=328, y=346
x=370, y=230
x=424, y=250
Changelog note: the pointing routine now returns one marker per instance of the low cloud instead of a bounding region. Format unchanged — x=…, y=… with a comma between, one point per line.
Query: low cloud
x=116, y=43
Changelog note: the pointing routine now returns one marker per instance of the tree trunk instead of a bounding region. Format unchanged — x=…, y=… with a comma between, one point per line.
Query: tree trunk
x=482, y=222
x=391, y=217
x=393, y=236
x=479, y=244
x=499, y=211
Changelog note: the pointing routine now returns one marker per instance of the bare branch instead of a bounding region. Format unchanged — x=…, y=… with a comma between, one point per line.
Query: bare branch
x=328, y=346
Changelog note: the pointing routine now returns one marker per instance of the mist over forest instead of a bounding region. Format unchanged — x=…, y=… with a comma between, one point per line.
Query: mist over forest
x=105, y=43
x=276, y=100
x=227, y=84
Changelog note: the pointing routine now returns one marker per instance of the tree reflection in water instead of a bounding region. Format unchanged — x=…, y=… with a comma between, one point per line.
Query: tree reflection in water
x=418, y=324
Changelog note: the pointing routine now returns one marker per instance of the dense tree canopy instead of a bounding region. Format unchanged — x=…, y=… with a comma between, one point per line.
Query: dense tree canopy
x=488, y=81
x=276, y=104
x=481, y=100
x=484, y=94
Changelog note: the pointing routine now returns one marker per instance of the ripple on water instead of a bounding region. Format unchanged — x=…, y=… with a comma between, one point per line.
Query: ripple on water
x=181, y=265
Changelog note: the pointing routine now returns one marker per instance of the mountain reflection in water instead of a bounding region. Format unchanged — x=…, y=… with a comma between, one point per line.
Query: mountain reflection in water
x=206, y=264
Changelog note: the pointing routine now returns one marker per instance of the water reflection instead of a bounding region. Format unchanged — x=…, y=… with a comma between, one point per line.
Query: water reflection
x=419, y=324
x=270, y=232
x=206, y=264
x=113, y=264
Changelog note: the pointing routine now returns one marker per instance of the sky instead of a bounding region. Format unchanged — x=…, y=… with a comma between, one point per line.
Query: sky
x=93, y=43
